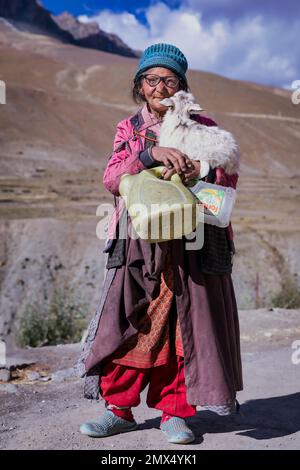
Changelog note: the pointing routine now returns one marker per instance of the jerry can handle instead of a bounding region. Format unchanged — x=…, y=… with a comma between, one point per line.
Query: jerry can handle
x=157, y=171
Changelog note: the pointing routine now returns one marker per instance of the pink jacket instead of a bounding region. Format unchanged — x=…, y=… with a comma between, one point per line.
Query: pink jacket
x=126, y=159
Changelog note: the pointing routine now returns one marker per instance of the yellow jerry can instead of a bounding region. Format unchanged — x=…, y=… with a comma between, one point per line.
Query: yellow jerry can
x=160, y=209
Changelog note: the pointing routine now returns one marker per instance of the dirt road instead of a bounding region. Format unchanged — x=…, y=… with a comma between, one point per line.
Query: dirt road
x=46, y=414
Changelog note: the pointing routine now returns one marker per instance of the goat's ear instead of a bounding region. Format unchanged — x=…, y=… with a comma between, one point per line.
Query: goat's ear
x=167, y=102
x=194, y=108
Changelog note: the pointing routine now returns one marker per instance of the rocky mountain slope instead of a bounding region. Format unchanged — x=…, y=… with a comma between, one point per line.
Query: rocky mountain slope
x=31, y=16
x=90, y=35
x=56, y=130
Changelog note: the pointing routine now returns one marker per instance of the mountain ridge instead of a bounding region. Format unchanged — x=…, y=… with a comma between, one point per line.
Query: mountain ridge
x=31, y=16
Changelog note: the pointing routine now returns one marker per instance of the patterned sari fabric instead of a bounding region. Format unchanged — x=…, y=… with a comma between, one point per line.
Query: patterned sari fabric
x=159, y=330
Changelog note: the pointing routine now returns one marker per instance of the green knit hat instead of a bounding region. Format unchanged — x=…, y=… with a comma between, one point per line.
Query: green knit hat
x=163, y=55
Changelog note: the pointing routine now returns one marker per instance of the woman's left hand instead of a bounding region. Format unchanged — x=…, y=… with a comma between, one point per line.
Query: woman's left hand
x=187, y=176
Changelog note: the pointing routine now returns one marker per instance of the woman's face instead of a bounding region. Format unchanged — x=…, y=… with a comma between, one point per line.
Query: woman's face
x=153, y=95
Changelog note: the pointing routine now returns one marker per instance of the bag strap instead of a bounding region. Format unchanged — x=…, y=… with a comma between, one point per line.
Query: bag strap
x=137, y=122
x=210, y=178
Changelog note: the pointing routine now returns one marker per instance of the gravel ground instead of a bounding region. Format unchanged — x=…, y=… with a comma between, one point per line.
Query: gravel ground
x=46, y=414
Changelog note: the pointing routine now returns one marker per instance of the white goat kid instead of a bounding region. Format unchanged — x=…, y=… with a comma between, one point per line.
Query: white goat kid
x=213, y=145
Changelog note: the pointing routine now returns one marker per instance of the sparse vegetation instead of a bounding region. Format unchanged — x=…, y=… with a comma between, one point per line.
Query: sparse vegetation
x=32, y=328
x=60, y=320
x=289, y=295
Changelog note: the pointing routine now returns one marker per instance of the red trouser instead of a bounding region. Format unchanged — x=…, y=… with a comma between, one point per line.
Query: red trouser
x=121, y=386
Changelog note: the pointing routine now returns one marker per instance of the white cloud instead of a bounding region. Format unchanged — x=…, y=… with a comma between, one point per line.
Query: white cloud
x=125, y=25
x=250, y=48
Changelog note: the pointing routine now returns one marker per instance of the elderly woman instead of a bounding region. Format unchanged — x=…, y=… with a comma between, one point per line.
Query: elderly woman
x=167, y=317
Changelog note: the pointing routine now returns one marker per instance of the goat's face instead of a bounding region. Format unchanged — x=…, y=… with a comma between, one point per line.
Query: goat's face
x=182, y=104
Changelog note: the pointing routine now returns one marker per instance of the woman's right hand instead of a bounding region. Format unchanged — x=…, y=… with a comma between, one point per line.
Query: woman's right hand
x=172, y=159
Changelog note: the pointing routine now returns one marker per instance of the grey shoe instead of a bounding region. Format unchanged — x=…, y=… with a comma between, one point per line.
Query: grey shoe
x=177, y=431
x=107, y=425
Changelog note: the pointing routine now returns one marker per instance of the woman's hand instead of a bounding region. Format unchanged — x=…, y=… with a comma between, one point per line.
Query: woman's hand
x=190, y=174
x=172, y=159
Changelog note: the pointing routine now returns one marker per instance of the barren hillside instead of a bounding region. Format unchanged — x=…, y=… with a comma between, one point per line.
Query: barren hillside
x=56, y=131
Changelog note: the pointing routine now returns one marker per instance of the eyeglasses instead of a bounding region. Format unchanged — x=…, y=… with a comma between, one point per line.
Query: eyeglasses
x=153, y=80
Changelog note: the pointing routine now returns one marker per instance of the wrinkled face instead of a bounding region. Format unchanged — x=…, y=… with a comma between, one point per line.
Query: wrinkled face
x=154, y=94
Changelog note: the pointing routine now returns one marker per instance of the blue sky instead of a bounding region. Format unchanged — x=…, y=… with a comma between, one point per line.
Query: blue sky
x=255, y=40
